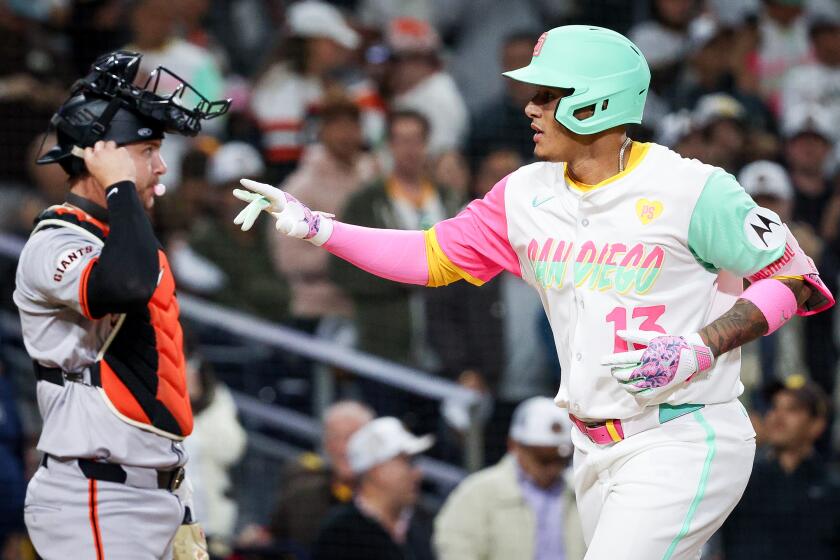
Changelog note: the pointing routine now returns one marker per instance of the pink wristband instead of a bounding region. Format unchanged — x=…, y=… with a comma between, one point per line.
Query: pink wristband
x=775, y=301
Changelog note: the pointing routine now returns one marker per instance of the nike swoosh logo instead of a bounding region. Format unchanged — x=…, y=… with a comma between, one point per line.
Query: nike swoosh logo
x=536, y=203
x=114, y=191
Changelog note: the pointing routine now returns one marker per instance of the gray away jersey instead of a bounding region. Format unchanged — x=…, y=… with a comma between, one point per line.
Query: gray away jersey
x=77, y=420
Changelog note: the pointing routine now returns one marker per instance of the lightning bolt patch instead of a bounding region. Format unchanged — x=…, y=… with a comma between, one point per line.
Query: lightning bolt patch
x=762, y=230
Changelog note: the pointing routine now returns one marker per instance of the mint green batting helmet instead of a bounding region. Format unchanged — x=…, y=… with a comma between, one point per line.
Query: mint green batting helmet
x=604, y=68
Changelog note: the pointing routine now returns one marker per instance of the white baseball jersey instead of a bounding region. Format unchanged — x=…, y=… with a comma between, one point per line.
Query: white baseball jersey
x=662, y=246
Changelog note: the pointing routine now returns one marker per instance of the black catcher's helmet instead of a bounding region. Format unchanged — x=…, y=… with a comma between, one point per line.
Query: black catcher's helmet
x=107, y=105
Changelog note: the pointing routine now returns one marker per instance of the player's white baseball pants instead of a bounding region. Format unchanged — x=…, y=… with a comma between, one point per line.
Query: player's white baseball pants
x=70, y=516
x=660, y=494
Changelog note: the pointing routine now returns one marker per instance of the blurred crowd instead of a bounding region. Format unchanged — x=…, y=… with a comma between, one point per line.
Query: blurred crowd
x=394, y=113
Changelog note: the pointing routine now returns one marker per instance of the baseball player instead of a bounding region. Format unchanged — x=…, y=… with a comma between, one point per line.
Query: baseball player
x=639, y=257
x=100, y=321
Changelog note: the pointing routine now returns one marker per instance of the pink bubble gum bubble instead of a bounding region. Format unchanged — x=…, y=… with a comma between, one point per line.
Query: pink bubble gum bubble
x=160, y=189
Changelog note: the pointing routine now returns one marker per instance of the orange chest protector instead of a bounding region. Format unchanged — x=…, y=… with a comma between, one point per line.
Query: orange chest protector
x=140, y=369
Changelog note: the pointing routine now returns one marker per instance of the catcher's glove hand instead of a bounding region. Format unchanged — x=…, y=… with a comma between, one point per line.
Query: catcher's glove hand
x=293, y=217
x=190, y=543
x=667, y=361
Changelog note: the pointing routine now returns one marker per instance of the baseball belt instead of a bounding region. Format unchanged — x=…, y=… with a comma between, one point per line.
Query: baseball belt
x=606, y=432
x=57, y=376
x=111, y=472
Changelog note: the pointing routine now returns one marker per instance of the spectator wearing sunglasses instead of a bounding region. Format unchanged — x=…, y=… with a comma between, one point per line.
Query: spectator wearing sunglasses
x=522, y=507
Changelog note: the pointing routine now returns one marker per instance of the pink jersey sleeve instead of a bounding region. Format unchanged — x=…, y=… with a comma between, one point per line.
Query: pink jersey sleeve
x=476, y=240
x=393, y=254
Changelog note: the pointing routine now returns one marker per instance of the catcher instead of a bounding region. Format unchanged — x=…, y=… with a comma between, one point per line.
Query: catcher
x=100, y=321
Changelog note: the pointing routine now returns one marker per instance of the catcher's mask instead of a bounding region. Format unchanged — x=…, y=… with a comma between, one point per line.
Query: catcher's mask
x=107, y=105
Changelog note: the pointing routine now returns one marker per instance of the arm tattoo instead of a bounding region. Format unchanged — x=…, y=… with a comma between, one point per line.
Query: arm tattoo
x=744, y=322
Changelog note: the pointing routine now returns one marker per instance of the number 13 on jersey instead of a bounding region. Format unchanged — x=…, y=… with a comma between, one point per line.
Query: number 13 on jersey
x=649, y=315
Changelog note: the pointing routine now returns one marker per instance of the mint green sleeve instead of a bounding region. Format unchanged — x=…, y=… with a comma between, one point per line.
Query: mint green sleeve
x=717, y=235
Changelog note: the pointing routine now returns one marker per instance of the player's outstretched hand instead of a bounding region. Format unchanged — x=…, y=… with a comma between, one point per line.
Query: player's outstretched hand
x=667, y=361
x=293, y=218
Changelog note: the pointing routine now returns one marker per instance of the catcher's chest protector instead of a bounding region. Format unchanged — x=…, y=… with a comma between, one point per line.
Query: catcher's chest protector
x=140, y=371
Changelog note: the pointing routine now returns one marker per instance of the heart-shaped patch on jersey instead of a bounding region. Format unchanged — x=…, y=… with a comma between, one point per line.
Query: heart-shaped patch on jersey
x=648, y=210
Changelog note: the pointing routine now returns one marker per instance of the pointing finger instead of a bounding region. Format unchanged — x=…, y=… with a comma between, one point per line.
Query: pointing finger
x=622, y=358
x=638, y=337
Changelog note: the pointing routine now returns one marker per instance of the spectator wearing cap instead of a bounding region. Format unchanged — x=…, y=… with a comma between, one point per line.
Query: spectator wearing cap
x=330, y=172
x=807, y=153
x=498, y=124
x=312, y=484
x=818, y=83
x=382, y=522
x=523, y=506
x=289, y=92
x=679, y=131
x=791, y=506
x=418, y=82
x=722, y=118
x=217, y=259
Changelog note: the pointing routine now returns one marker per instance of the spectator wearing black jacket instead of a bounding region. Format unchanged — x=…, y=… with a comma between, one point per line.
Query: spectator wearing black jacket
x=383, y=521
x=791, y=506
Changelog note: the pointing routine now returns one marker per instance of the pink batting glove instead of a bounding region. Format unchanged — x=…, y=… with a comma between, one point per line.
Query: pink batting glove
x=667, y=361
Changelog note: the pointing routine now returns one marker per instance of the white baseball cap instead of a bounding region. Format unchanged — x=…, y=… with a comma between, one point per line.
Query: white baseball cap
x=539, y=422
x=312, y=18
x=673, y=127
x=232, y=161
x=381, y=440
x=701, y=31
x=716, y=106
x=406, y=35
x=766, y=178
x=660, y=45
x=807, y=118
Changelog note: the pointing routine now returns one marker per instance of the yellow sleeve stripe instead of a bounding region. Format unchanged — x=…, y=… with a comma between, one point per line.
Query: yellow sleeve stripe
x=442, y=271
x=788, y=277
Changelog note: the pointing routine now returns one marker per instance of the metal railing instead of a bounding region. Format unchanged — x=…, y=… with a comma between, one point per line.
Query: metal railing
x=308, y=346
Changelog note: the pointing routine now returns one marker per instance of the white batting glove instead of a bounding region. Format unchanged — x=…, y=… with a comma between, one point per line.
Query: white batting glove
x=667, y=361
x=294, y=218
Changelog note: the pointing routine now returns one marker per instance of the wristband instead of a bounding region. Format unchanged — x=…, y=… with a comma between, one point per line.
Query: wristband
x=775, y=301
